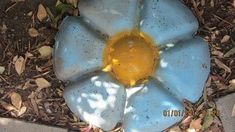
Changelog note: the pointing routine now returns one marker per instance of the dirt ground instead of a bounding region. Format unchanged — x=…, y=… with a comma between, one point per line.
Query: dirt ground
x=19, y=46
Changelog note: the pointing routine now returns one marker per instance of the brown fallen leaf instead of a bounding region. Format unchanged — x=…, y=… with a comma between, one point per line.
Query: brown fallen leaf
x=45, y=51
x=28, y=84
x=32, y=95
x=33, y=32
x=42, y=13
x=231, y=86
x=3, y=28
x=7, y=106
x=196, y=124
x=217, y=53
x=30, y=13
x=187, y=120
x=19, y=65
x=73, y=2
x=21, y=111
x=38, y=68
x=191, y=130
x=232, y=82
x=16, y=100
x=15, y=58
x=175, y=129
x=42, y=83
x=2, y=69
x=230, y=52
x=58, y=2
x=35, y=106
x=225, y=39
x=28, y=55
x=222, y=65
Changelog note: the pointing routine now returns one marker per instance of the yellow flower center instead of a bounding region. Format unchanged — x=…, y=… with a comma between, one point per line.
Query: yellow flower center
x=131, y=57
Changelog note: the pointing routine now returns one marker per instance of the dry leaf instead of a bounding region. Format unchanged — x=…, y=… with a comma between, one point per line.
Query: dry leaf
x=28, y=55
x=58, y=2
x=20, y=65
x=233, y=111
x=28, y=84
x=230, y=52
x=222, y=65
x=33, y=32
x=21, y=111
x=225, y=39
x=38, y=68
x=212, y=3
x=3, y=28
x=32, y=95
x=16, y=100
x=42, y=83
x=13, y=113
x=175, y=129
x=2, y=69
x=187, y=120
x=7, y=106
x=73, y=2
x=35, y=106
x=231, y=84
x=217, y=53
x=42, y=13
x=30, y=13
x=203, y=2
x=15, y=58
x=196, y=124
x=45, y=51
x=191, y=130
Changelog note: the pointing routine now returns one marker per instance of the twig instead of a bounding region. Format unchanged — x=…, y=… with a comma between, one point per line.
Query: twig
x=4, y=52
x=4, y=80
x=43, y=74
x=10, y=7
x=221, y=19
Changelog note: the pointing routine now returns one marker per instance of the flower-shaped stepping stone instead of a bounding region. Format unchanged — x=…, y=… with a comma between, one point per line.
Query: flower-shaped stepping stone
x=131, y=61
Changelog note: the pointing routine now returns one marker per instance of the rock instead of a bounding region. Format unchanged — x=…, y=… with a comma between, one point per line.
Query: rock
x=12, y=125
x=225, y=105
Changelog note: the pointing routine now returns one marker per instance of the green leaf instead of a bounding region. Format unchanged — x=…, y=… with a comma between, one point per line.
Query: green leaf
x=63, y=7
x=208, y=119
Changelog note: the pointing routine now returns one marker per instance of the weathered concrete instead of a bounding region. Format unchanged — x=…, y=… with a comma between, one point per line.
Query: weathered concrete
x=13, y=125
x=225, y=106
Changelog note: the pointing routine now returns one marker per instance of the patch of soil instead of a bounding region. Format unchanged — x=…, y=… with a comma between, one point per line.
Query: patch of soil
x=46, y=106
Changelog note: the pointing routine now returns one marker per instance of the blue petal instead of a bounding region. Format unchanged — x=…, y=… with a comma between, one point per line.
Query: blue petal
x=97, y=99
x=110, y=16
x=184, y=69
x=151, y=109
x=167, y=21
x=77, y=50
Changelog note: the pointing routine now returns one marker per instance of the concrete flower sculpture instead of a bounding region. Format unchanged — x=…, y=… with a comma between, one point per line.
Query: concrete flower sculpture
x=131, y=61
